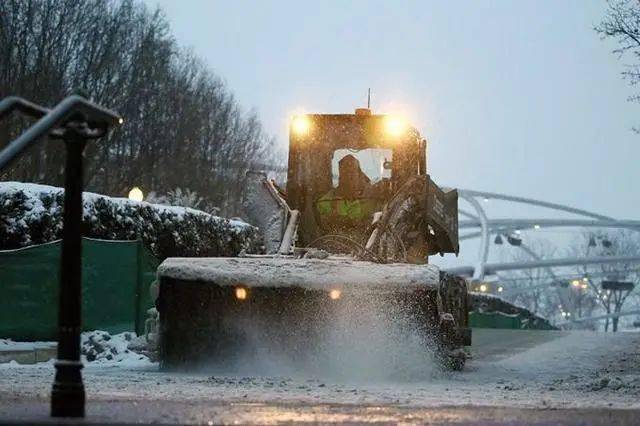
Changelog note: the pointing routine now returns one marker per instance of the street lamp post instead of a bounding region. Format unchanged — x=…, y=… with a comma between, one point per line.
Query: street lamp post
x=74, y=120
x=67, y=395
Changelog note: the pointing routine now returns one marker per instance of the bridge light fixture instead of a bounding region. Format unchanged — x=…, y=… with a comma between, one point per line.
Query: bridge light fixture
x=536, y=226
x=514, y=239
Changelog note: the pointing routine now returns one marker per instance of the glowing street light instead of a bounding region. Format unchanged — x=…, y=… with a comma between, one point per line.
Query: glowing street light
x=335, y=294
x=136, y=194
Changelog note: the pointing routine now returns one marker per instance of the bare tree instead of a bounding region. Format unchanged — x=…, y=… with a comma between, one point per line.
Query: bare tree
x=533, y=289
x=622, y=23
x=183, y=127
x=601, y=243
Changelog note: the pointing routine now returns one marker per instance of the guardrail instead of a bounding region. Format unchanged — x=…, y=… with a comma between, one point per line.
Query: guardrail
x=75, y=120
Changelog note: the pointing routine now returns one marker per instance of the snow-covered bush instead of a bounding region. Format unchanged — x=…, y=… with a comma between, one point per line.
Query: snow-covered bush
x=177, y=197
x=102, y=347
x=32, y=214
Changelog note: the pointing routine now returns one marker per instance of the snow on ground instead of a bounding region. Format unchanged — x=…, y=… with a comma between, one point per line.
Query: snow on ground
x=538, y=369
x=9, y=345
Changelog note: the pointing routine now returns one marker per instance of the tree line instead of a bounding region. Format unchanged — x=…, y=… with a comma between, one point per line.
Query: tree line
x=183, y=128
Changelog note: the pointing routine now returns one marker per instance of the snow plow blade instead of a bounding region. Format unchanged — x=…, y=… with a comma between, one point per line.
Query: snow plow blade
x=233, y=311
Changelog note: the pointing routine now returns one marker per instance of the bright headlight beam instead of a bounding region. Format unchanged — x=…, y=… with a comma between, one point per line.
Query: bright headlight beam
x=300, y=125
x=394, y=125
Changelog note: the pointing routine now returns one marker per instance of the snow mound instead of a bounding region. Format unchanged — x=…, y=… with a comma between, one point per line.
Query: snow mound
x=120, y=349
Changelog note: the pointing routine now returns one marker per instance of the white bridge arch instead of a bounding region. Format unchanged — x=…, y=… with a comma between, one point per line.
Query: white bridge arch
x=481, y=226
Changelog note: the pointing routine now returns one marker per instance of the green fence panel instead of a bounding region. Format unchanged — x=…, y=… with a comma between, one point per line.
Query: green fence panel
x=29, y=292
x=494, y=320
x=115, y=281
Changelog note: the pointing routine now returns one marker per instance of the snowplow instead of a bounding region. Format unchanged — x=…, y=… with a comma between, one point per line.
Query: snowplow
x=346, y=247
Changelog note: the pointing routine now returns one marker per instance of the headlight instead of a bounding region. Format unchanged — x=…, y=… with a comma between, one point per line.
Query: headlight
x=335, y=294
x=300, y=125
x=394, y=125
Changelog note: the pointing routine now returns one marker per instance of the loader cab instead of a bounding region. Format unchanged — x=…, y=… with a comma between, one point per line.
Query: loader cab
x=345, y=167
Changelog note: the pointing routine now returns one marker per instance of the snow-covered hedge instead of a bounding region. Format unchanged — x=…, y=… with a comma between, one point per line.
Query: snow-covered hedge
x=32, y=214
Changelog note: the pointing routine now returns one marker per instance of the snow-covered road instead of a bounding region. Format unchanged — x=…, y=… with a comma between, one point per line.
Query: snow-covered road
x=521, y=369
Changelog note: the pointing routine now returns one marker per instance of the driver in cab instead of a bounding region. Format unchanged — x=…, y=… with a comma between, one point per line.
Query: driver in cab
x=352, y=203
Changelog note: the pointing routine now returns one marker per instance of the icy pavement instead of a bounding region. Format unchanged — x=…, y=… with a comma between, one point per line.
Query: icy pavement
x=515, y=369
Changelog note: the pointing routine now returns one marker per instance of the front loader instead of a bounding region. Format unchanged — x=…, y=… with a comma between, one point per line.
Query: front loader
x=348, y=238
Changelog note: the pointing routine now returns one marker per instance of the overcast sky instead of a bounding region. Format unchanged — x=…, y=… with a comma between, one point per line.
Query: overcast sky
x=519, y=97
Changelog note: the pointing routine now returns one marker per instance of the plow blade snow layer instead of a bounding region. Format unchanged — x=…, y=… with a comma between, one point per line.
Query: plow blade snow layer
x=234, y=314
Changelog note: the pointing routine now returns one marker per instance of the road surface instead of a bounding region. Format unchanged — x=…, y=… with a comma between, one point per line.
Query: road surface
x=515, y=377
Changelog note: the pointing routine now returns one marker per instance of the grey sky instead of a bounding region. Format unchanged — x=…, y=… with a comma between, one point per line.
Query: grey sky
x=520, y=97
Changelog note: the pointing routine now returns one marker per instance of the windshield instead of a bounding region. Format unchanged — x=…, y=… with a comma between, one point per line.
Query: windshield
x=374, y=162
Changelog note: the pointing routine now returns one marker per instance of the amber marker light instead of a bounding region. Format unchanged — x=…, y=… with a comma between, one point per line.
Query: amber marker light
x=241, y=293
x=335, y=294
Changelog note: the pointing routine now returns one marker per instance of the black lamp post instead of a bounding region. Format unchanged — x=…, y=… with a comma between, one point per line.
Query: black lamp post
x=67, y=395
x=74, y=120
